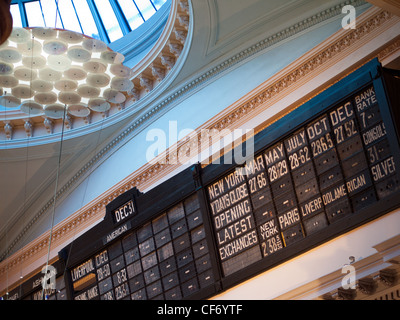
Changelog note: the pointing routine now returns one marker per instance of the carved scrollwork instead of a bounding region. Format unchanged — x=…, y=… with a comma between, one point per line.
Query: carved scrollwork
x=8, y=130
x=367, y=285
x=388, y=277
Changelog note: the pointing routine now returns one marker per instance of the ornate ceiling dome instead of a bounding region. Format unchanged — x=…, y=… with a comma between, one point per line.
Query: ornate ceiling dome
x=44, y=70
x=51, y=75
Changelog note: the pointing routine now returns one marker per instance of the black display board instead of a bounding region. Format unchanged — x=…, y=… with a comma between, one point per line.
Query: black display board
x=150, y=246
x=166, y=258
x=335, y=165
x=324, y=169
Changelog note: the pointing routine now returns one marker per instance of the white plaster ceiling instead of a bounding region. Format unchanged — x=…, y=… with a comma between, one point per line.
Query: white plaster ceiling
x=226, y=27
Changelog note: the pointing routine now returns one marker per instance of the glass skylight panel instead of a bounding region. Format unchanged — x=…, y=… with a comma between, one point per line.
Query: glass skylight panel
x=131, y=13
x=109, y=19
x=158, y=3
x=85, y=17
x=69, y=17
x=16, y=15
x=51, y=14
x=106, y=20
x=34, y=14
x=146, y=8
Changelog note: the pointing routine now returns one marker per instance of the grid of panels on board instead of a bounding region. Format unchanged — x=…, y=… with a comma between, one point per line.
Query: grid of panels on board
x=336, y=164
x=167, y=258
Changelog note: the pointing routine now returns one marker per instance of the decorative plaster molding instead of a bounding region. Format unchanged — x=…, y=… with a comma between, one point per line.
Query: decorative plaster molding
x=369, y=272
x=8, y=129
x=48, y=124
x=389, y=50
x=294, y=75
x=215, y=42
x=309, y=66
x=28, y=126
x=392, y=6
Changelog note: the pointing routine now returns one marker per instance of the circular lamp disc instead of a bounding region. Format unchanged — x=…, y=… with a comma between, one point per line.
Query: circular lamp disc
x=19, y=35
x=49, y=74
x=87, y=91
x=78, y=54
x=121, y=84
x=8, y=81
x=78, y=110
x=65, y=85
x=25, y=74
x=44, y=33
x=69, y=97
x=59, y=62
x=70, y=36
x=120, y=70
x=10, y=55
x=32, y=108
x=22, y=91
x=30, y=48
x=75, y=73
x=54, y=111
x=94, y=45
x=95, y=66
x=10, y=101
x=45, y=97
x=99, y=105
x=55, y=47
x=41, y=85
x=59, y=59
x=98, y=79
x=6, y=68
x=37, y=62
x=114, y=96
x=112, y=57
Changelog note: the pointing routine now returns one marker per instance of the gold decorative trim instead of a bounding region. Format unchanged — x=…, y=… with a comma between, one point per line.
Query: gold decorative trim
x=394, y=47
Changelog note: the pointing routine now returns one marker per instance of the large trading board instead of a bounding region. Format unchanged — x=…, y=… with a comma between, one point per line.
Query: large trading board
x=324, y=169
x=332, y=166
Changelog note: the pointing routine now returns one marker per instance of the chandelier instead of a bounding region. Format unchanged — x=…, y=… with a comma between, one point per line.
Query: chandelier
x=47, y=71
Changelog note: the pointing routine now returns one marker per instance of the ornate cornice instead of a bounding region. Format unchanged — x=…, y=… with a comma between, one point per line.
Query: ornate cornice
x=307, y=68
x=375, y=275
x=389, y=50
x=274, y=89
